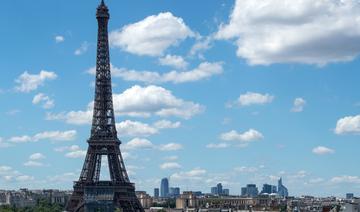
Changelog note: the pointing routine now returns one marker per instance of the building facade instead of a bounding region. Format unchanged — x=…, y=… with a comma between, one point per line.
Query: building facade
x=249, y=191
x=269, y=189
x=282, y=190
x=156, y=193
x=164, y=188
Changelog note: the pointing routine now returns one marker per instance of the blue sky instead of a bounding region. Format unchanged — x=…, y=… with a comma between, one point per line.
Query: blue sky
x=205, y=91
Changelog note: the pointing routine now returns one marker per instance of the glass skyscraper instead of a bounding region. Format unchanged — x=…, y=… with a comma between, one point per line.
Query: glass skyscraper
x=164, y=188
x=282, y=190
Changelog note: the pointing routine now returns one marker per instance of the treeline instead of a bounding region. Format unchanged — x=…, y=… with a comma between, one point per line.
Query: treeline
x=41, y=206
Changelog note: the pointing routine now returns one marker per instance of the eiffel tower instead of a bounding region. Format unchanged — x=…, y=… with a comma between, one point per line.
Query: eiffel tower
x=91, y=194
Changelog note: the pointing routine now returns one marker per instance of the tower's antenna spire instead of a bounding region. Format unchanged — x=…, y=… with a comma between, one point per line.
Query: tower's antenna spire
x=102, y=2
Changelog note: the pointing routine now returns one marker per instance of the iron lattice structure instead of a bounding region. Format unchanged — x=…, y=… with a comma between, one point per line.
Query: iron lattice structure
x=103, y=142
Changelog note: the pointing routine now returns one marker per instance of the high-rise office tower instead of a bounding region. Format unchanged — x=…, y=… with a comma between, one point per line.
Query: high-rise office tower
x=164, y=188
x=156, y=192
x=282, y=190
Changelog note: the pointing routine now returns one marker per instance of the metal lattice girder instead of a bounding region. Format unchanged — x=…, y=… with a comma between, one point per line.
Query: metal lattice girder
x=103, y=140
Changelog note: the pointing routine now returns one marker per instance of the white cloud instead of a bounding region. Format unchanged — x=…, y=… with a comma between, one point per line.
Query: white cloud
x=321, y=150
x=82, y=49
x=20, y=139
x=348, y=125
x=37, y=156
x=65, y=177
x=248, y=136
x=195, y=174
x=24, y=178
x=128, y=156
x=30, y=82
x=299, y=104
x=67, y=148
x=200, y=46
x=171, y=158
x=138, y=143
x=316, y=180
x=153, y=100
x=151, y=36
x=47, y=102
x=4, y=144
x=47, y=135
x=73, y=151
x=204, y=71
x=134, y=128
x=33, y=164
x=56, y=135
x=300, y=31
x=345, y=179
x=299, y=175
x=244, y=169
x=251, y=98
x=217, y=146
x=4, y=169
x=138, y=101
x=13, y=112
x=7, y=173
x=59, y=39
x=174, y=61
x=73, y=117
x=76, y=154
x=166, y=124
x=170, y=165
x=171, y=147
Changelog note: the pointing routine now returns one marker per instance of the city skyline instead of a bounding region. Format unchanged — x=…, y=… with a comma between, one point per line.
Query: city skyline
x=200, y=94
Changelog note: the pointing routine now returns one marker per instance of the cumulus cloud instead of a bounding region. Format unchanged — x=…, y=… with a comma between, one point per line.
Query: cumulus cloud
x=82, y=49
x=135, y=128
x=217, y=146
x=174, y=61
x=59, y=39
x=73, y=117
x=170, y=165
x=141, y=143
x=138, y=101
x=299, y=104
x=151, y=36
x=73, y=151
x=47, y=102
x=171, y=147
x=244, y=169
x=348, y=125
x=345, y=179
x=251, y=98
x=166, y=124
x=9, y=174
x=153, y=100
x=204, y=71
x=248, y=136
x=321, y=150
x=194, y=174
x=138, y=143
x=30, y=82
x=171, y=158
x=76, y=154
x=24, y=178
x=65, y=177
x=47, y=135
x=4, y=144
x=299, y=31
x=31, y=163
x=200, y=46
x=37, y=156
